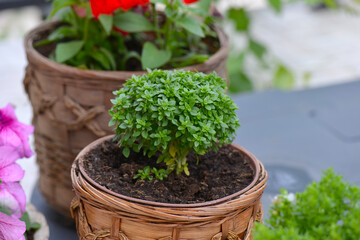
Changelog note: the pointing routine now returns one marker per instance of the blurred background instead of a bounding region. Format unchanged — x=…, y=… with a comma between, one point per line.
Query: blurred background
x=288, y=46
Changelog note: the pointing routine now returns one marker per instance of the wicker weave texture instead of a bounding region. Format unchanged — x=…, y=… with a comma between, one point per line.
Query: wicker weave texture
x=103, y=214
x=70, y=110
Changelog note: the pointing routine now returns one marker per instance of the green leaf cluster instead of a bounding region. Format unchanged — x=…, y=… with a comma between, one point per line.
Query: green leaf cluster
x=329, y=209
x=168, y=39
x=29, y=224
x=174, y=113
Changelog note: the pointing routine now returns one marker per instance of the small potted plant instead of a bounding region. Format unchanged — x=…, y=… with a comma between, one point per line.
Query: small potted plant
x=76, y=62
x=170, y=169
x=328, y=209
x=17, y=220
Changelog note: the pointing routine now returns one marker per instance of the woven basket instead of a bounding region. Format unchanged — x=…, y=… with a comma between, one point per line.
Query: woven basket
x=70, y=110
x=103, y=214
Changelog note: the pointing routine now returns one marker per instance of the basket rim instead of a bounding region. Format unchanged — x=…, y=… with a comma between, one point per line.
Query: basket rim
x=33, y=54
x=78, y=164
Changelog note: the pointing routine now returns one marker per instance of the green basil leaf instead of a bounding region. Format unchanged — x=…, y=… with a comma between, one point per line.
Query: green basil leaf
x=65, y=51
x=191, y=25
x=152, y=57
x=132, y=22
x=107, y=22
x=126, y=152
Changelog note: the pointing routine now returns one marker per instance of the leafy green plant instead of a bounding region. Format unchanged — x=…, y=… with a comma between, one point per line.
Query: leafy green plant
x=173, y=113
x=131, y=34
x=329, y=209
x=30, y=226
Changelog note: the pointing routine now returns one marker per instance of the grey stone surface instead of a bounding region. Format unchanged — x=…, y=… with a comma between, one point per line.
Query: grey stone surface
x=60, y=227
x=299, y=134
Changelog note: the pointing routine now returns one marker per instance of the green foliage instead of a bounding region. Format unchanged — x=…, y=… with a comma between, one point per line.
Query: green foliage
x=191, y=24
x=152, y=57
x=276, y=5
x=5, y=210
x=65, y=51
x=283, y=78
x=133, y=22
x=239, y=81
x=174, y=113
x=329, y=209
x=107, y=22
x=89, y=43
x=148, y=174
x=240, y=18
x=29, y=224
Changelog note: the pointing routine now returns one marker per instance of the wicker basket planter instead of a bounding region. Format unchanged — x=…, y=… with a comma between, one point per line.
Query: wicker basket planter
x=67, y=110
x=35, y=216
x=103, y=214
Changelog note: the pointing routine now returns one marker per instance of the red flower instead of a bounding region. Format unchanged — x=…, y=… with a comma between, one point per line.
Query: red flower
x=190, y=1
x=99, y=7
x=121, y=31
x=127, y=4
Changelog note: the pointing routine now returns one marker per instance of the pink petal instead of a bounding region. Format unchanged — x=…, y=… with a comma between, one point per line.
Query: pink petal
x=8, y=155
x=8, y=201
x=14, y=133
x=23, y=131
x=11, y=173
x=11, y=228
x=7, y=114
x=13, y=195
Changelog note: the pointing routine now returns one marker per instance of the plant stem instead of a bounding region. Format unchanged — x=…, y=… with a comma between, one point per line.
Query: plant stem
x=156, y=24
x=86, y=29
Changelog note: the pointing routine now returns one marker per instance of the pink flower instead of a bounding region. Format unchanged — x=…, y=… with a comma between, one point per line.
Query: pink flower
x=11, y=228
x=14, y=133
x=13, y=198
x=9, y=170
x=80, y=11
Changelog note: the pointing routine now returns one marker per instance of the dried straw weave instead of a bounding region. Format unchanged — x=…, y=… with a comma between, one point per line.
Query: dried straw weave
x=101, y=215
x=70, y=110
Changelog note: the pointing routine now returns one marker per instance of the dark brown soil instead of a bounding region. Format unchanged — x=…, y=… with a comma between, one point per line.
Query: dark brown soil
x=30, y=234
x=217, y=175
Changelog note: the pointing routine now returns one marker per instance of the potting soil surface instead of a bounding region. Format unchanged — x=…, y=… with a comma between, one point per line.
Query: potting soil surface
x=218, y=174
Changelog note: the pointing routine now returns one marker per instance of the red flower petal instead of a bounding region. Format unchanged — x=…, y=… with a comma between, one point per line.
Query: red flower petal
x=189, y=1
x=128, y=4
x=99, y=7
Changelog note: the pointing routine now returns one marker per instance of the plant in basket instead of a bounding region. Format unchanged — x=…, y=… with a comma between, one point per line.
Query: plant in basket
x=75, y=63
x=171, y=157
x=15, y=222
x=132, y=35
